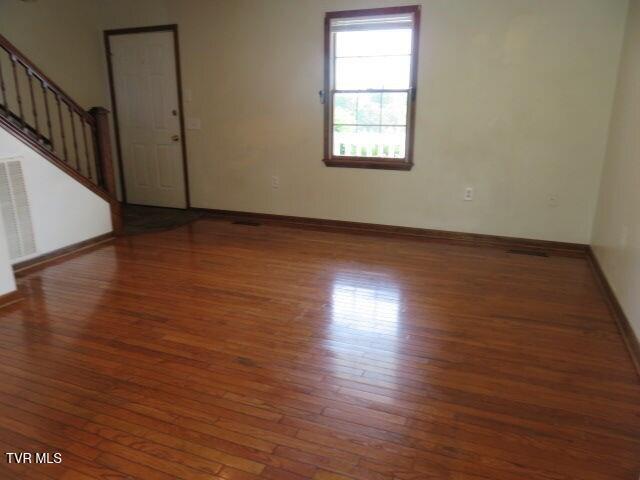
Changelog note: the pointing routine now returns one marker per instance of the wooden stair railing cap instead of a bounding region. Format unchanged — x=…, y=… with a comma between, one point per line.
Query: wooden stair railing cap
x=89, y=164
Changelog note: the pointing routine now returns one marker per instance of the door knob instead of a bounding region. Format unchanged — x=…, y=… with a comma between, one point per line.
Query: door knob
x=175, y=138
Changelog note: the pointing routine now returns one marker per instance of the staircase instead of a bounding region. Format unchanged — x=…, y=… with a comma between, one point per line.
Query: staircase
x=37, y=111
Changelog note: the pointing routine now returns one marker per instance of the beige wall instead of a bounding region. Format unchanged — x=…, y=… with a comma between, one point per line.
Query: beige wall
x=62, y=38
x=616, y=235
x=514, y=100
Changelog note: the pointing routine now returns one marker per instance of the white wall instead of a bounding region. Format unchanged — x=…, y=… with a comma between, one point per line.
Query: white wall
x=616, y=234
x=63, y=211
x=7, y=282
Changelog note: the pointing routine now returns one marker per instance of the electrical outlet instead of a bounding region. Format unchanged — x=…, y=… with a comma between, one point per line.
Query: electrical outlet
x=275, y=182
x=553, y=201
x=468, y=194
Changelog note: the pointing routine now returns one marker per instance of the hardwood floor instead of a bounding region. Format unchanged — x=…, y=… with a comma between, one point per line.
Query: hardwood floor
x=222, y=351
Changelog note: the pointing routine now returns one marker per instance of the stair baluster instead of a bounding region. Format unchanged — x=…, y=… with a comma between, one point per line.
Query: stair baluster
x=3, y=89
x=94, y=169
x=45, y=96
x=34, y=108
x=74, y=138
x=17, y=85
x=86, y=150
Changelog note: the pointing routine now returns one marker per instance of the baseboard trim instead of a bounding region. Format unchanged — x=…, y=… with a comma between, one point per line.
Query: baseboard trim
x=10, y=298
x=47, y=258
x=443, y=236
x=624, y=326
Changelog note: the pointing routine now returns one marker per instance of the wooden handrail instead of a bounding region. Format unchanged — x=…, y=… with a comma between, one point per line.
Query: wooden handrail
x=46, y=81
x=62, y=137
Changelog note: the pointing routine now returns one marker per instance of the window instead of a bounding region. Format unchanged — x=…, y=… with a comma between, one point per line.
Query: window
x=370, y=87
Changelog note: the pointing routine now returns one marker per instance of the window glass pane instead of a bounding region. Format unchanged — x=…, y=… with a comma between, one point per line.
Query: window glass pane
x=370, y=108
x=368, y=43
x=345, y=106
x=362, y=73
x=394, y=108
x=371, y=124
x=357, y=108
x=369, y=141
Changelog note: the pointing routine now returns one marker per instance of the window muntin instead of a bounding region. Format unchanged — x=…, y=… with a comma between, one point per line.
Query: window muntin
x=371, y=85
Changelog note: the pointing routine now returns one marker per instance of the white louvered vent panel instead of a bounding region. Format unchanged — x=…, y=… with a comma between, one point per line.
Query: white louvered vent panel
x=16, y=212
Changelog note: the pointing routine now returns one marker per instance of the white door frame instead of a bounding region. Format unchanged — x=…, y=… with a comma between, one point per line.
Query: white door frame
x=173, y=28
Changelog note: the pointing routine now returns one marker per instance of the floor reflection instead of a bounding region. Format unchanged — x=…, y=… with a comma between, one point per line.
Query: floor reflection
x=42, y=314
x=366, y=304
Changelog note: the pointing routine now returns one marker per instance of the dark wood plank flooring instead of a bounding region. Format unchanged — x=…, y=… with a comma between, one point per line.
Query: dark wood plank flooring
x=221, y=351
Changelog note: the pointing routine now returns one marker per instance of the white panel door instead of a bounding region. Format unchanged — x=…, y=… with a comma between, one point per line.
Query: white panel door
x=146, y=86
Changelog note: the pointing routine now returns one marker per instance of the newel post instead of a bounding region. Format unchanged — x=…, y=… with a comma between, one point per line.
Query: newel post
x=105, y=162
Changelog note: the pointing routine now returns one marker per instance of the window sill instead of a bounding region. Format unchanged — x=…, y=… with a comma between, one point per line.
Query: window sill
x=372, y=163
